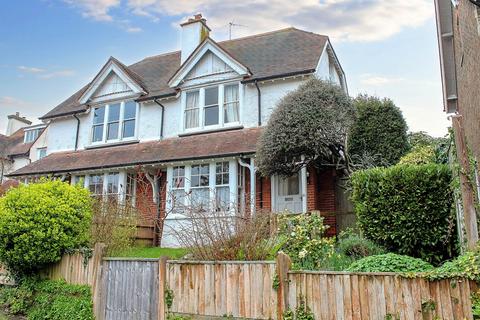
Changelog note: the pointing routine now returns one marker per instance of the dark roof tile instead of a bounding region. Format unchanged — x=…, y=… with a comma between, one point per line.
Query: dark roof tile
x=286, y=51
x=211, y=145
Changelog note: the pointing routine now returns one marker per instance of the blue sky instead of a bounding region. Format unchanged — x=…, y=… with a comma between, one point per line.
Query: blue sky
x=51, y=48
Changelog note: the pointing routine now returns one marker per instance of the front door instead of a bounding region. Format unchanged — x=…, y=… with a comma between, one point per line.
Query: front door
x=288, y=194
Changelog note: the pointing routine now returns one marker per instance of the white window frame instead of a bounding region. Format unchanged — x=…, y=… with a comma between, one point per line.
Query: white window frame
x=122, y=183
x=232, y=182
x=221, y=105
x=39, y=151
x=120, y=137
x=34, y=135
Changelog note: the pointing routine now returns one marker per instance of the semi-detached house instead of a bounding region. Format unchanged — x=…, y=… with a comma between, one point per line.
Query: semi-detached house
x=188, y=122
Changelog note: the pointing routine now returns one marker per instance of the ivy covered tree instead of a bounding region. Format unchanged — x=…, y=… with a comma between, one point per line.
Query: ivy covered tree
x=379, y=133
x=309, y=125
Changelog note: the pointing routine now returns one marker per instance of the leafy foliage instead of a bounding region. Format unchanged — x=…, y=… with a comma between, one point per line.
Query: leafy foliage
x=302, y=312
x=390, y=262
x=379, y=132
x=476, y=305
x=312, y=121
x=357, y=247
x=407, y=209
x=419, y=155
x=41, y=221
x=426, y=149
x=304, y=241
x=46, y=299
x=465, y=266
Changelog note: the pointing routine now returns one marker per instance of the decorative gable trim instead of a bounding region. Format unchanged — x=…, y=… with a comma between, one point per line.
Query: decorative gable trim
x=207, y=45
x=115, y=66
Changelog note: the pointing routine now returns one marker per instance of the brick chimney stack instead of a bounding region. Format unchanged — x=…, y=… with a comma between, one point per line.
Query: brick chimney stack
x=194, y=31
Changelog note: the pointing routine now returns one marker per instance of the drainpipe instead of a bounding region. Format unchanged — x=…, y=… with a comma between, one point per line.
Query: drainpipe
x=259, y=95
x=78, y=131
x=163, y=113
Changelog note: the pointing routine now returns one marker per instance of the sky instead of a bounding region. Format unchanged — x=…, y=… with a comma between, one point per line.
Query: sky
x=49, y=49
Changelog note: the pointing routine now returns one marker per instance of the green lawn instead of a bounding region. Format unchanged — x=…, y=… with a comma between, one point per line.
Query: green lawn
x=152, y=252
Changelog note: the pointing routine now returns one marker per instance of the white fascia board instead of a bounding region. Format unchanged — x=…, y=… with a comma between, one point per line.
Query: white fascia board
x=100, y=78
x=207, y=45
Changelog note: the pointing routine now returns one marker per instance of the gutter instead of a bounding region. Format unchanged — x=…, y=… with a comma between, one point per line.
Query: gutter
x=78, y=130
x=133, y=164
x=259, y=104
x=283, y=75
x=63, y=114
x=163, y=117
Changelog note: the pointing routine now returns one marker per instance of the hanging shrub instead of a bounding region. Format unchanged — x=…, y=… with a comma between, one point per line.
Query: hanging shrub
x=39, y=222
x=407, y=209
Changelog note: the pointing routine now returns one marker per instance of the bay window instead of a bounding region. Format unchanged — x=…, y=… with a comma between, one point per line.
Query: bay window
x=95, y=184
x=114, y=122
x=222, y=188
x=209, y=186
x=210, y=107
x=200, y=186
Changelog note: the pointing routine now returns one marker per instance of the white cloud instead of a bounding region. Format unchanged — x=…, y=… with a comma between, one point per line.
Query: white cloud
x=133, y=29
x=95, y=9
x=30, y=69
x=7, y=101
x=347, y=20
x=58, y=74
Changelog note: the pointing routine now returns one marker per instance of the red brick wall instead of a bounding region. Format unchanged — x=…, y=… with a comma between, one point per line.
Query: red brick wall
x=467, y=56
x=326, y=199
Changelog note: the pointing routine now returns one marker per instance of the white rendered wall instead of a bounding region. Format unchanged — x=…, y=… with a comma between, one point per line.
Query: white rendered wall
x=40, y=143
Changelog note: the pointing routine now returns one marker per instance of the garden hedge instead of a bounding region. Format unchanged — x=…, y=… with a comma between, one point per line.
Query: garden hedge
x=408, y=209
x=40, y=222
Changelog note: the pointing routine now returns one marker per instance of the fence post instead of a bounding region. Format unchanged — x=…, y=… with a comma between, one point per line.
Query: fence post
x=97, y=285
x=283, y=264
x=162, y=280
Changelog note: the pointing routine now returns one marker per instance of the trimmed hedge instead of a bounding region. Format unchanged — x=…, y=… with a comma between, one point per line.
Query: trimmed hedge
x=408, y=209
x=40, y=222
x=390, y=262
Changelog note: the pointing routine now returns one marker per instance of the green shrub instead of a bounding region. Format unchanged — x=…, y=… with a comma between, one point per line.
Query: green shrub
x=380, y=131
x=356, y=247
x=464, y=266
x=46, y=299
x=304, y=241
x=390, y=262
x=407, y=209
x=41, y=221
x=419, y=155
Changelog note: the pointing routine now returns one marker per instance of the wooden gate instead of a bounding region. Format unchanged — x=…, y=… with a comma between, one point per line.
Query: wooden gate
x=130, y=289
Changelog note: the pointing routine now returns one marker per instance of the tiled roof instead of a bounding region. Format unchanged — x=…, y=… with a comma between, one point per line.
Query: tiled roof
x=203, y=146
x=13, y=145
x=278, y=53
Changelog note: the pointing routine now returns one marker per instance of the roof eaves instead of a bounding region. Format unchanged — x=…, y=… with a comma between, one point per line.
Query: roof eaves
x=276, y=76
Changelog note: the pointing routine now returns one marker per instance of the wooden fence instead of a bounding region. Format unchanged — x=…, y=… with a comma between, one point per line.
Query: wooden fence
x=137, y=289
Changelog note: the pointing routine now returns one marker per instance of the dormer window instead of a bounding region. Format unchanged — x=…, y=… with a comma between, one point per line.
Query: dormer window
x=31, y=135
x=212, y=107
x=114, y=122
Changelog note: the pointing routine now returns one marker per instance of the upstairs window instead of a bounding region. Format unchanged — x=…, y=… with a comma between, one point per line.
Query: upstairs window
x=231, y=104
x=192, y=110
x=31, y=135
x=114, y=122
x=98, y=120
x=41, y=153
x=212, y=107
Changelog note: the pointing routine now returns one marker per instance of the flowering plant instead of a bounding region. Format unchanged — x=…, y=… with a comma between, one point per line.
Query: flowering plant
x=304, y=240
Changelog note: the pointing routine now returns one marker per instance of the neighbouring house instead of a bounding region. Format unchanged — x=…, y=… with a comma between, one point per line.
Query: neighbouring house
x=16, y=146
x=458, y=26
x=187, y=123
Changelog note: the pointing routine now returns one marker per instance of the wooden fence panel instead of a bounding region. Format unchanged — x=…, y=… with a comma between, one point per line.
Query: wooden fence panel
x=130, y=289
x=341, y=295
x=238, y=289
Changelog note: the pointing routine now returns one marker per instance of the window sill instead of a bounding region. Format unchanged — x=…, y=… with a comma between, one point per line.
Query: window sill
x=227, y=128
x=112, y=144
